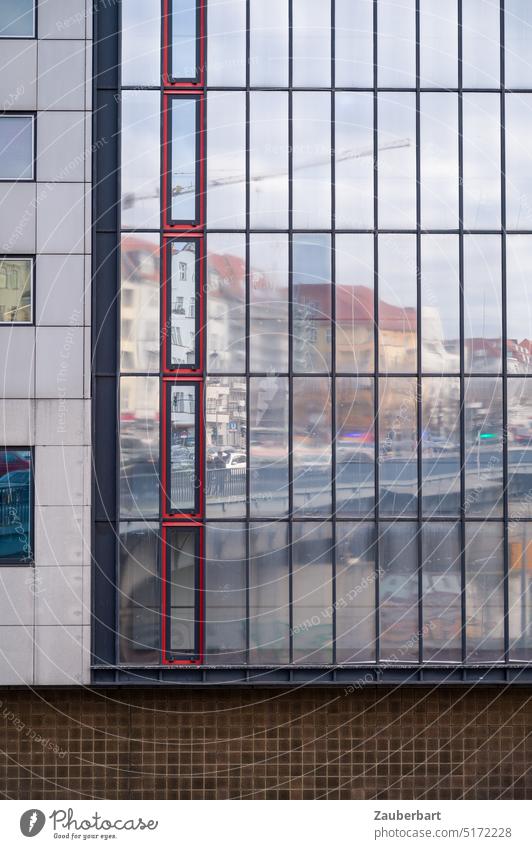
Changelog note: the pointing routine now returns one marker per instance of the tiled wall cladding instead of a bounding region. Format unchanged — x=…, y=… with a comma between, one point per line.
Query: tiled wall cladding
x=267, y=744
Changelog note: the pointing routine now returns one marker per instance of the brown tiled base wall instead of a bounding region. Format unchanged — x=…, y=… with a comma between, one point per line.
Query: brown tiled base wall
x=266, y=744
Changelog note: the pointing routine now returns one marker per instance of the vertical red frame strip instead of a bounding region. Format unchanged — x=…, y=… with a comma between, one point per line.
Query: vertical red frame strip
x=193, y=230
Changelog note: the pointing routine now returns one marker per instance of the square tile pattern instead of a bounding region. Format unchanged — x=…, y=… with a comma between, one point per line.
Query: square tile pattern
x=376, y=743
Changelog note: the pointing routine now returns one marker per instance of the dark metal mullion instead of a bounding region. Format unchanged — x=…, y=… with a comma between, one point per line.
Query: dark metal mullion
x=462, y=325
x=290, y=345
x=376, y=333
x=333, y=329
x=247, y=326
x=418, y=349
x=504, y=351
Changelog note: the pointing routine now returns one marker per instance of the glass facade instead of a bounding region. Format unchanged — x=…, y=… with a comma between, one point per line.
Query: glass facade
x=325, y=419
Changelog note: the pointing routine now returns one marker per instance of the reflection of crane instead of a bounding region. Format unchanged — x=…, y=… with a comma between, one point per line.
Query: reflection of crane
x=129, y=199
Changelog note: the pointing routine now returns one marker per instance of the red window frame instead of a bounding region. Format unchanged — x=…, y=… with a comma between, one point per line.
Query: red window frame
x=166, y=292
x=200, y=598
x=166, y=166
x=168, y=80
x=168, y=382
x=171, y=230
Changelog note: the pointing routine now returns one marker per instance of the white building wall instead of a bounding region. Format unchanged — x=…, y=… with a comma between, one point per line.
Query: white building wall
x=45, y=369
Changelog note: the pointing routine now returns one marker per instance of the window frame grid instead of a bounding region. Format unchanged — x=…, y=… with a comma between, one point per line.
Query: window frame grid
x=30, y=559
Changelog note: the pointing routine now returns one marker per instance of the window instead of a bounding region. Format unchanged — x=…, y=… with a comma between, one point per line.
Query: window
x=183, y=318
x=181, y=585
x=15, y=290
x=16, y=505
x=182, y=485
x=183, y=202
x=17, y=19
x=16, y=147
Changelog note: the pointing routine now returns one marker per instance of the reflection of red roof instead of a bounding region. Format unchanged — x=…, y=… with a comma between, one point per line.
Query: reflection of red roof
x=131, y=248
x=231, y=269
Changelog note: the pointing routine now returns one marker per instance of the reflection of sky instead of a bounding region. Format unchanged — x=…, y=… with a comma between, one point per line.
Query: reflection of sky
x=480, y=44
x=354, y=176
x=141, y=42
x=184, y=158
x=312, y=43
x=226, y=44
x=518, y=37
x=311, y=160
x=141, y=128
x=226, y=143
x=269, y=42
x=397, y=167
x=396, y=42
x=482, y=287
x=183, y=38
x=311, y=259
x=518, y=170
x=269, y=159
x=439, y=160
x=482, y=181
x=16, y=18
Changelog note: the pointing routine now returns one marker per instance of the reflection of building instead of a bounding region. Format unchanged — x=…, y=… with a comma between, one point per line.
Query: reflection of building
x=225, y=412
x=139, y=295
x=183, y=302
x=15, y=290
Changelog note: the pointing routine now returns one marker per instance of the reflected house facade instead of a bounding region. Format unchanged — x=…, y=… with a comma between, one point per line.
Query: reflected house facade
x=325, y=413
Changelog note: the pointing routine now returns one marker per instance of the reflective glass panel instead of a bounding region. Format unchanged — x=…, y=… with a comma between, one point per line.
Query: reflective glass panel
x=268, y=309
x=397, y=160
x=398, y=446
x=268, y=446
x=353, y=51
x=355, y=328
x=312, y=446
x=268, y=49
x=438, y=24
x=398, y=592
x=16, y=289
x=355, y=592
x=139, y=593
x=226, y=161
x=520, y=590
x=225, y=592
x=518, y=127
x=183, y=183
x=439, y=160
x=482, y=161
x=440, y=304
x=139, y=447
x=355, y=446
x=184, y=44
x=16, y=508
x=268, y=159
x=226, y=458
x=484, y=592
x=482, y=303
x=16, y=147
x=311, y=160
x=141, y=42
x=442, y=593
x=182, y=304
x=269, y=608
x=396, y=46
x=311, y=302
x=519, y=303
x=226, y=42
x=519, y=436
x=17, y=19
x=181, y=575
x=397, y=317
x=140, y=159
x=311, y=42
x=354, y=160
x=481, y=53
x=139, y=302
x=483, y=446
x=226, y=302
x=441, y=446
x=312, y=592
x=182, y=446
x=518, y=43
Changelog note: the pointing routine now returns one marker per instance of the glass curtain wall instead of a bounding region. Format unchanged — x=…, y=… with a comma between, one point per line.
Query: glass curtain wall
x=366, y=419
